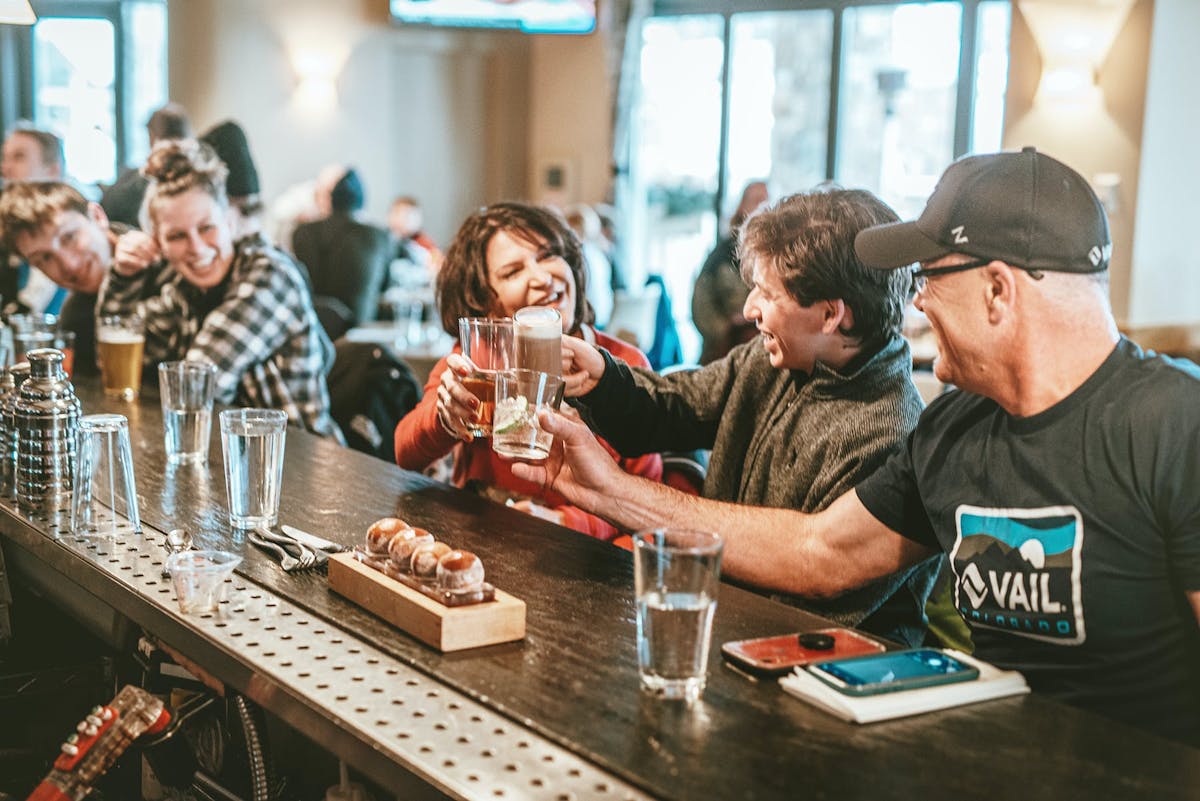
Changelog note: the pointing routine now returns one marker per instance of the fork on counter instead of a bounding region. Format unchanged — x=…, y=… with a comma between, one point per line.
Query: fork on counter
x=293, y=556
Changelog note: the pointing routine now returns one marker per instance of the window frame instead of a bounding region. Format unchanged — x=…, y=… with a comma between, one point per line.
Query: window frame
x=727, y=9
x=17, y=90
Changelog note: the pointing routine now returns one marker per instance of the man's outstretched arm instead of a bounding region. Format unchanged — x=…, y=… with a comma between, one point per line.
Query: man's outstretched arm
x=819, y=555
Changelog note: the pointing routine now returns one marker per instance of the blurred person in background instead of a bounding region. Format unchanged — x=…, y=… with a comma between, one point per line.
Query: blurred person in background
x=228, y=141
x=608, y=242
x=505, y=257
x=123, y=200
x=347, y=259
x=586, y=224
x=720, y=292
x=412, y=244
x=29, y=154
x=241, y=305
x=302, y=202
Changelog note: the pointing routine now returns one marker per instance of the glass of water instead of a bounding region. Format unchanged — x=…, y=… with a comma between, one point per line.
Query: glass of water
x=186, y=390
x=252, y=440
x=676, y=575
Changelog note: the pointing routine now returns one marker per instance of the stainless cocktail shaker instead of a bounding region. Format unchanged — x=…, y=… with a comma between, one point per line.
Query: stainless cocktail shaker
x=47, y=418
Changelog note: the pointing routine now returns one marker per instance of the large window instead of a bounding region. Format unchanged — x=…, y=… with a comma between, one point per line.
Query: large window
x=91, y=71
x=860, y=92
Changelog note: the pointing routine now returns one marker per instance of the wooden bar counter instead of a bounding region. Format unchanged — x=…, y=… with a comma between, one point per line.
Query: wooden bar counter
x=559, y=714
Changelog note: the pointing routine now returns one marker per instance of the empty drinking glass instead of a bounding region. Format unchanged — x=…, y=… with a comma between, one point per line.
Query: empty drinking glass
x=676, y=576
x=103, y=482
x=199, y=578
x=186, y=390
x=30, y=332
x=252, y=441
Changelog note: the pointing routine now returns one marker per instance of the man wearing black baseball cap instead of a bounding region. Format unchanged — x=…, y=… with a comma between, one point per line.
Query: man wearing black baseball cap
x=1058, y=479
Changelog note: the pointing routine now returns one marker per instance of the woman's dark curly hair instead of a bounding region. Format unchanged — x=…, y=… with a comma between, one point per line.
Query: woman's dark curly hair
x=463, y=289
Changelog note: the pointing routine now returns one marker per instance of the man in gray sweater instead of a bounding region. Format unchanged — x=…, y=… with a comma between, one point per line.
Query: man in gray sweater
x=809, y=409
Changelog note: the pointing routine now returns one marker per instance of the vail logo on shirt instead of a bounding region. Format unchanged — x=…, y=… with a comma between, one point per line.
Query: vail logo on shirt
x=1018, y=571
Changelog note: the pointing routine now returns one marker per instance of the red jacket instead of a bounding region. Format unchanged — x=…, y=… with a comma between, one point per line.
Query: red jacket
x=421, y=440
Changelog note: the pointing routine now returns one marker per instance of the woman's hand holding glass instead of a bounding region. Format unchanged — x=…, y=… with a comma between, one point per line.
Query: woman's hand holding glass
x=583, y=366
x=135, y=252
x=456, y=406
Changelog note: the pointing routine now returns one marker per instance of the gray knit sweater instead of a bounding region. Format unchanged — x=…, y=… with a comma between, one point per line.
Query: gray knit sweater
x=783, y=439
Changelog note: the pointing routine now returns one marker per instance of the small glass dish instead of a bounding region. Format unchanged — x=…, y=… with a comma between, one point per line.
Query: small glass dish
x=199, y=578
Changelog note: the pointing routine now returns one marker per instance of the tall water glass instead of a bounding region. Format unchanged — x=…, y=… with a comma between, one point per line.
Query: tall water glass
x=186, y=390
x=676, y=575
x=538, y=334
x=489, y=345
x=120, y=343
x=103, y=482
x=252, y=441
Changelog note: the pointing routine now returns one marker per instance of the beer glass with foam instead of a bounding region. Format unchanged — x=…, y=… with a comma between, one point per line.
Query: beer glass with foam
x=119, y=346
x=538, y=333
x=488, y=344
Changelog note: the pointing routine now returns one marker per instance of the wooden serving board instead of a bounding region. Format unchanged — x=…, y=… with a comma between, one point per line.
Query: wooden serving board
x=444, y=627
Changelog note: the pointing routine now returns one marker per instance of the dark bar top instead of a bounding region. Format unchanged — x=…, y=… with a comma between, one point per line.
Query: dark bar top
x=574, y=678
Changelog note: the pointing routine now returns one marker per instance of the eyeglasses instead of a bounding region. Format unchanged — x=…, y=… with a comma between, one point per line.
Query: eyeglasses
x=920, y=277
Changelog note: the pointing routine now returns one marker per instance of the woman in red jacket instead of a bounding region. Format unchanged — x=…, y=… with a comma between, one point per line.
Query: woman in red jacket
x=505, y=257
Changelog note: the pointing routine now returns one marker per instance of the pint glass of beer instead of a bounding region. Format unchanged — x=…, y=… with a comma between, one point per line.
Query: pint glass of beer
x=119, y=346
x=489, y=345
x=538, y=334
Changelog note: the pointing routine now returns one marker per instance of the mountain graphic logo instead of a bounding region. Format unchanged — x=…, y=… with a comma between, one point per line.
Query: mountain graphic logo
x=975, y=586
x=1018, y=571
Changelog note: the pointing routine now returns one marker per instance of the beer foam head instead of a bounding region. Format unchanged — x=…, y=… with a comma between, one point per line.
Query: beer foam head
x=539, y=322
x=119, y=336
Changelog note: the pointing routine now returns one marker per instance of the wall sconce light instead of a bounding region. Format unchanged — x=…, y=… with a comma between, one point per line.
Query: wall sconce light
x=317, y=79
x=1073, y=37
x=16, y=12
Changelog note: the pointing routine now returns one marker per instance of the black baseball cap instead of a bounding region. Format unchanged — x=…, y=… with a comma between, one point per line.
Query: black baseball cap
x=1023, y=208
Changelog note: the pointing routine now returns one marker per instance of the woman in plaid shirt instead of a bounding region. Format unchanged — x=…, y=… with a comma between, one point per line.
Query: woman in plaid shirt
x=243, y=306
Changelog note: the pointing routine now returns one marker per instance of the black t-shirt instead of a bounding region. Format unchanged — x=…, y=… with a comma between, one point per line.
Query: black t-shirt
x=1073, y=534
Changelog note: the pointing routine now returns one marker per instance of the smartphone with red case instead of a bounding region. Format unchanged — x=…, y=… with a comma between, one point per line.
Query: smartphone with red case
x=775, y=656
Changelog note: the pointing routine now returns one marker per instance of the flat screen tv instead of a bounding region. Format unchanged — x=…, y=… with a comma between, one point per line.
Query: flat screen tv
x=529, y=16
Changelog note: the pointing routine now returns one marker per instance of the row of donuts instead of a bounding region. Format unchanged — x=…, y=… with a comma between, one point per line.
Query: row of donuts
x=404, y=551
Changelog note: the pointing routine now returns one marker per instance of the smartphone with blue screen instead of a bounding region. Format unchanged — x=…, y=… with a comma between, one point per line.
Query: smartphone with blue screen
x=893, y=671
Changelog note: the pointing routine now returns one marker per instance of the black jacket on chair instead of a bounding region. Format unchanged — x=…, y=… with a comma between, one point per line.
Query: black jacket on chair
x=346, y=260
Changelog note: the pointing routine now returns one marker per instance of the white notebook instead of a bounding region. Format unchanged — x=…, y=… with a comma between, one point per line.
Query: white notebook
x=992, y=683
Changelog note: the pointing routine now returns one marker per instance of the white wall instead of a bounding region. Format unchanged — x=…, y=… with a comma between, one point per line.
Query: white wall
x=1166, y=275
x=570, y=117
x=1094, y=139
x=442, y=115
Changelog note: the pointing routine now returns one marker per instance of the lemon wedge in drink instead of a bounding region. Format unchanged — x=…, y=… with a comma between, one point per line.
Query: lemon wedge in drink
x=510, y=414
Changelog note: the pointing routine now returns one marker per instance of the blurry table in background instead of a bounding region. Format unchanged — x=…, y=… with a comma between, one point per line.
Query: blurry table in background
x=420, y=346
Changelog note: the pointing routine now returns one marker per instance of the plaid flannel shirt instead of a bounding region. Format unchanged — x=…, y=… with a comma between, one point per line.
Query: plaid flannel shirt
x=263, y=335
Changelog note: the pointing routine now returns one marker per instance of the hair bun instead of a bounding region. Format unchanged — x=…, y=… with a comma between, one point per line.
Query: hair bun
x=177, y=165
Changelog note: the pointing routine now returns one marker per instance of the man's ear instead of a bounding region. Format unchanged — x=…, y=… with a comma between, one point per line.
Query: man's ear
x=1000, y=290
x=836, y=316
x=96, y=214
